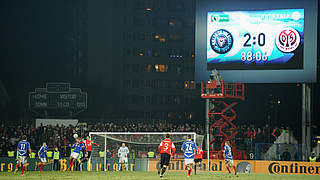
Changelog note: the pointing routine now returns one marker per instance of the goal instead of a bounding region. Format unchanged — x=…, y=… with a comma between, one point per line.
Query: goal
x=139, y=144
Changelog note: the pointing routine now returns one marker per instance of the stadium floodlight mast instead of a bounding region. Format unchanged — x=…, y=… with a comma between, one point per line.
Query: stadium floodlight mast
x=113, y=136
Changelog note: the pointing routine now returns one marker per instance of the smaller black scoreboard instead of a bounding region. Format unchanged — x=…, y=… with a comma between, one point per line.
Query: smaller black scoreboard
x=58, y=96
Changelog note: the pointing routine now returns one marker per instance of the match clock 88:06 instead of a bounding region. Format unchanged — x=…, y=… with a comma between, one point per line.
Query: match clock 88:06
x=249, y=56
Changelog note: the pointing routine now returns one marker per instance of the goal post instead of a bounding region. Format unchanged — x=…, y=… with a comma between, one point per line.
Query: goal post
x=139, y=143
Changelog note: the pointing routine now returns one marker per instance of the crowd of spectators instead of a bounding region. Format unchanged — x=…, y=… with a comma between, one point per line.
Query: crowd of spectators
x=61, y=136
x=248, y=135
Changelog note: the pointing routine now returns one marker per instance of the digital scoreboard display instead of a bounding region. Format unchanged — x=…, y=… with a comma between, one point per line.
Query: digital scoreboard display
x=253, y=40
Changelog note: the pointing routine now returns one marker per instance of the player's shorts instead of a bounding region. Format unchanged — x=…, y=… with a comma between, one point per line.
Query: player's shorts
x=229, y=161
x=89, y=154
x=75, y=155
x=44, y=160
x=198, y=160
x=188, y=161
x=22, y=159
x=123, y=159
x=165, y=159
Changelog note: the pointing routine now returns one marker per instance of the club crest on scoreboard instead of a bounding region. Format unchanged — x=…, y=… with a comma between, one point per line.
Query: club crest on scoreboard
x=221, y=41
x=288, y=39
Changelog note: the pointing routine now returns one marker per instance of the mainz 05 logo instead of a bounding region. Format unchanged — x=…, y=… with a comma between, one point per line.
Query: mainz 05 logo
x=221, y=41
x=288, y=39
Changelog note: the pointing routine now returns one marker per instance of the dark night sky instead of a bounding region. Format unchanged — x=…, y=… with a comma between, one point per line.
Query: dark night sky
x=33, y=44
x=34, y=39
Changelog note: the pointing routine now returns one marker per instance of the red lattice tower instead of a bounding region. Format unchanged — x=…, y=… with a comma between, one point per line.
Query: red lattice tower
x=223, y=96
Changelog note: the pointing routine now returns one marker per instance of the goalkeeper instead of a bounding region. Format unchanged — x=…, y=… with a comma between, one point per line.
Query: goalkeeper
x=123, y=156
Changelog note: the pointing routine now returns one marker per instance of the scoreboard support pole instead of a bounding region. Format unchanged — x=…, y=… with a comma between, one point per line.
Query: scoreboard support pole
x=207, y=131
x=306, y=121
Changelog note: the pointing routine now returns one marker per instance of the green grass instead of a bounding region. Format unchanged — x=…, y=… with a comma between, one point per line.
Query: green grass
x=49, y=175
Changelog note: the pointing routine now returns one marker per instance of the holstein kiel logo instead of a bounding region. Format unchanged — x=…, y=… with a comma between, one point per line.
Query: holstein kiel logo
x=288, y=39
x=221, y=41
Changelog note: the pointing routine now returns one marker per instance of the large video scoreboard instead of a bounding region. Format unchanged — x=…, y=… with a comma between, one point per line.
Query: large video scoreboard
x=269, y=39
x=252, y=41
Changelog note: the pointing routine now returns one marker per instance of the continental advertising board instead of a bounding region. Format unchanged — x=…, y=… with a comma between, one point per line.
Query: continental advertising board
x=244, y=166
x=177, y=165
x=8, y=165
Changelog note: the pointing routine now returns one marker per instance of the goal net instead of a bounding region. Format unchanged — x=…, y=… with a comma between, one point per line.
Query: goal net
x=138, y=143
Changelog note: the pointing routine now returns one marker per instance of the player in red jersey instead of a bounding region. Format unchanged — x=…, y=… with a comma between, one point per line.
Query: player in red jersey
x=198, y=158
x=88, y=144
x=167, y=150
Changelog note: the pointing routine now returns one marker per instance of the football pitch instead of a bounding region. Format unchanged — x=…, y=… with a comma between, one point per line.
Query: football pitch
x=146, y=176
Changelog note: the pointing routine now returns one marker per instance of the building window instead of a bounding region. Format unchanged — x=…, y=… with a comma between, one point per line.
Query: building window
x=148, y=100
x=186, y=84
x=189, y=85
x=162, y=39
x=156, y=37
x=159, y=22
x=161, y=68
x=156, y=67
x=188, y=115
x=156, y=53
x=147, y=68
x=138, y=52
x=148, y=83
x=126, y=52
x=127, y=83
x=138, y=21
x=135, y=84
x=147, y=115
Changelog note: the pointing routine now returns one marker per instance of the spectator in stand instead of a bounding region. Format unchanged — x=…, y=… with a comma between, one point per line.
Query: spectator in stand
x=276, y=133
x=286, y=156
x=313, y=157
x=248, y=134
x=259, y=136
x=267, y=134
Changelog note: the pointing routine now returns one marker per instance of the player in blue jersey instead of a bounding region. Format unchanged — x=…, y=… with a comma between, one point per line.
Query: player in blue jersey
x=189, y=148
x=42, y=154
x=78, y=147
x=228, y=157
x=23, y=148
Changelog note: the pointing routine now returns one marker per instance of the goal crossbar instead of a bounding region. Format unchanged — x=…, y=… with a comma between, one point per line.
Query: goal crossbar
x=132, y=133
x=105, y=135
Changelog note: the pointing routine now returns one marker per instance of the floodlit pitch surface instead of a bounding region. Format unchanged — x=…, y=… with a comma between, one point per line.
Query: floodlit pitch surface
x=146, y=176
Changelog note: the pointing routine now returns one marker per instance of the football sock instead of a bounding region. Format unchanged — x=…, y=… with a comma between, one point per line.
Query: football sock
x=23, y=168
x=189, y=171
x=163, y=170
x=228, y=168
x=70, y=162
x=235, y=170
x=17, y=166
x=41, y=167
x=127, y=167
x=195, y=169
x=161, y=166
